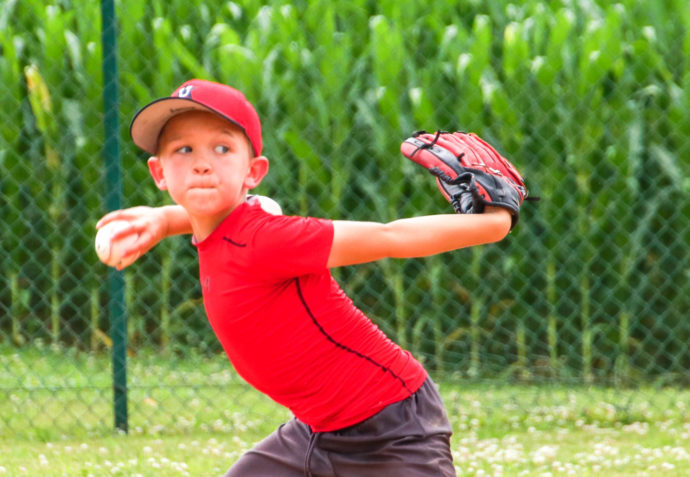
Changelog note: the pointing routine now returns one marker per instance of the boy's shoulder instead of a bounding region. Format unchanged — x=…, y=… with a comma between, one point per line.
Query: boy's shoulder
x=268, y=247
x=259, y=227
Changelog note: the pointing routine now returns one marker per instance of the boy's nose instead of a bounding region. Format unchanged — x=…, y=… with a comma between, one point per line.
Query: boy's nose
x=201, y=168
x=201, y=165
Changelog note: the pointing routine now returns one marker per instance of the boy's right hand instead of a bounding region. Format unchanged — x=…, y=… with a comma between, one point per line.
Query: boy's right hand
x=149, y=224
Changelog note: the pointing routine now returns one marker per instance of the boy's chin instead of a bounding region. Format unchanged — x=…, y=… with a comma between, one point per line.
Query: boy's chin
x=208, y=211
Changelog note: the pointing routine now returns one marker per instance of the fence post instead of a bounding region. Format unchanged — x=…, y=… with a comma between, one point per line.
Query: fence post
x=113, y=175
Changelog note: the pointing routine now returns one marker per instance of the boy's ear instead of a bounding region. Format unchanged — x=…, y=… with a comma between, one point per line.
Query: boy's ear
x=156, y=170
x=258, y=168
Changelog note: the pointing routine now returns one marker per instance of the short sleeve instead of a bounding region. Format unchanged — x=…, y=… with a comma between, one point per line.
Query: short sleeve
x=291, y=246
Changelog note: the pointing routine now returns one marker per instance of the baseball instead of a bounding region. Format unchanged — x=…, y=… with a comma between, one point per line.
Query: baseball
x=269, y=205
x=109, y=251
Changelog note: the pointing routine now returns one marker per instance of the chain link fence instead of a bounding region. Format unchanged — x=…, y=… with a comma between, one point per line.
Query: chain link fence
x=591, y=100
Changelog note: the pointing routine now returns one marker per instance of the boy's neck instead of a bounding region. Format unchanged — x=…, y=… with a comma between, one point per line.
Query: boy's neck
x=203, y=226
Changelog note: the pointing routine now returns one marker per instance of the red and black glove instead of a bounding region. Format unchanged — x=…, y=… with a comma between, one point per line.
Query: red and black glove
x=469, y=172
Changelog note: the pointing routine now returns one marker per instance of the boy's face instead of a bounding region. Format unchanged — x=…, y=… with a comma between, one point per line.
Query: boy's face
x=206, y=165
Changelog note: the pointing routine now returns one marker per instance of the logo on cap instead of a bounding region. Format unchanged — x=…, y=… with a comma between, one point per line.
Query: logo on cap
x=185, y=92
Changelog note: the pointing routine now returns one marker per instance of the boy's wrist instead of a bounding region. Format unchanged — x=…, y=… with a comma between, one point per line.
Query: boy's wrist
x=492, y=209
x=164, y=221
x=173, y=221
x=502, y=214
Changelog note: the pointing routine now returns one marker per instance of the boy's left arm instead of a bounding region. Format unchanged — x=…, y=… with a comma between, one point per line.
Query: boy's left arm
x=361, y=242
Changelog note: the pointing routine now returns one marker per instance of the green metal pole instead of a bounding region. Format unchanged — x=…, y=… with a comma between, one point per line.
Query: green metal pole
x=113, y=175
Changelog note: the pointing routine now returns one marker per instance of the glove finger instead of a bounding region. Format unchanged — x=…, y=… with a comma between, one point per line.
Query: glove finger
x=461, y=155
x=443, y=139
x=468, y=156
x=476, y=154
x=447, y=141
x=473, y=154
x=432, y=158
x=494, y=159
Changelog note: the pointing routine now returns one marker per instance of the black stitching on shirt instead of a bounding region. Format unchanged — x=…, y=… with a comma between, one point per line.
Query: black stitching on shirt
x=234, y=243
x=342, y=346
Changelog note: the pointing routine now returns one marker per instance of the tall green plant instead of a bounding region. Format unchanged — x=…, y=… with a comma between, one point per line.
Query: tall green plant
x=42, y=107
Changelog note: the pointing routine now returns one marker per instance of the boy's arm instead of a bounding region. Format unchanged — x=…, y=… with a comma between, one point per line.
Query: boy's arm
x=360, y=242
x=151, y=224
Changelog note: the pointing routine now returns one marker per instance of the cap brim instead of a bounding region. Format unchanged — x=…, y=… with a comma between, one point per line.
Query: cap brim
x=148, y=123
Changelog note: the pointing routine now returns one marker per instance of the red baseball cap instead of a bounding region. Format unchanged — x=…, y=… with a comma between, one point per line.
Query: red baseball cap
x=196, y=95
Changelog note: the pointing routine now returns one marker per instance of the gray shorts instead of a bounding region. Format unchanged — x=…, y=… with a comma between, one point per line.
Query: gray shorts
x=410, y=438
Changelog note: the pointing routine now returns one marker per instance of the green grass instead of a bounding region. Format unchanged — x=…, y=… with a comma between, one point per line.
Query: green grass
x=637, y=449
x=193, y=416
x=513, y=430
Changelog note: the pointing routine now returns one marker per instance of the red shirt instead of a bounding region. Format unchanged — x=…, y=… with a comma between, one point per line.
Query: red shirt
x=288, y=328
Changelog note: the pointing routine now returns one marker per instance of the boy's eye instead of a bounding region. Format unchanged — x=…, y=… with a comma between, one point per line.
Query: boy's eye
x=184, y=149
x=222, y=149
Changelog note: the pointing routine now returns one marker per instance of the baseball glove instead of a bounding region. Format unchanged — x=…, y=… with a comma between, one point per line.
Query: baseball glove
x=469, y=172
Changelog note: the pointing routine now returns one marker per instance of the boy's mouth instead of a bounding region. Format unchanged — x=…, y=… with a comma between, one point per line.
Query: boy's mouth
x=201, y=186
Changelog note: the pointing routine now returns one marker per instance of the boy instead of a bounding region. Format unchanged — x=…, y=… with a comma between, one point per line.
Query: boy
x=363, y=406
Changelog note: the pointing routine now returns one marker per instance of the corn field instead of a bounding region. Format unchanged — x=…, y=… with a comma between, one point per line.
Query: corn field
x=590, y=99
